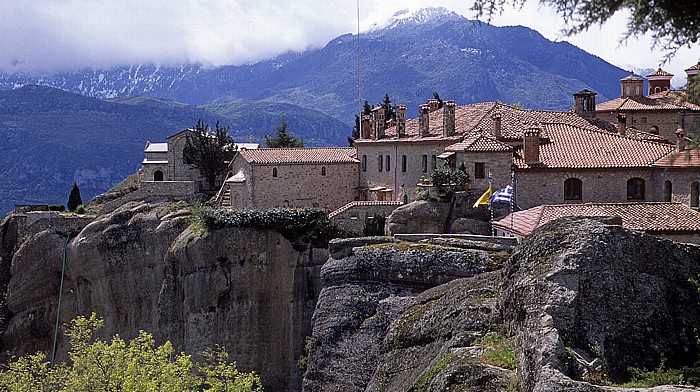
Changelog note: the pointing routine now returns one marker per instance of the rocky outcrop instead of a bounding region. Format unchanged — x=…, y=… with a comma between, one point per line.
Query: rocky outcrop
x=582, y=300
x=374, y=330
x=432, y=216
x=141, y=268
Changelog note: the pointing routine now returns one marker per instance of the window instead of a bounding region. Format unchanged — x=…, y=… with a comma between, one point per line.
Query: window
x=388, y=163
x=654, y=130
x=403, y=163
x=274, y=172
x=380, y=162
x=364, y=163
x=573, y=189
x=425, y=163
x=323, y=170
x=668, y=190
x=695, y=195
x=405, y=199
x=479, y=170
x=657, y=89
x=433, y=164
x=158, y=175
x=635, y=189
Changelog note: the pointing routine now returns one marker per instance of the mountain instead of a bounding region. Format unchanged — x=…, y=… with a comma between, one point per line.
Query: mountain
x=52, y=137
x=412, y=56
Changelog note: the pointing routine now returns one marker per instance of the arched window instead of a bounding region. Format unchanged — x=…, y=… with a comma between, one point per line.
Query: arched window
x=668, y=190
x=425, y=163
x=657, y=89
x=364, y=163
x=274, y=172
x=404, y=164
x=695, y=195
x=388, y=163
x=285, y=203
x=380, y=162
x=573, y=189
x=323, y=170
x=157, y=175
x=635, y=189
x=654, y=130
x=405, y=199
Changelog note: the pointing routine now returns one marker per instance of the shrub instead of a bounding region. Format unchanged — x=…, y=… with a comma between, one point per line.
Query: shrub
x=445, y=179
x=502, y=354
x=81, y=210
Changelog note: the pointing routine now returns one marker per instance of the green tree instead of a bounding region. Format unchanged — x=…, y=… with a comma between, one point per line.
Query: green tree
x=282, y=137
x=673, y=24
x=209, y=151
x=388, y=107
x=116, y=365
x=74, y=199
x=356, y=130
x=436, y=96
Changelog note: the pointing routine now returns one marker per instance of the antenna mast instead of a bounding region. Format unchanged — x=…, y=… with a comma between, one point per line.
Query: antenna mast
x=359, y=92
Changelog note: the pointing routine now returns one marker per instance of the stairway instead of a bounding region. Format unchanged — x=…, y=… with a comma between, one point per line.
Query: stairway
x=225, y=201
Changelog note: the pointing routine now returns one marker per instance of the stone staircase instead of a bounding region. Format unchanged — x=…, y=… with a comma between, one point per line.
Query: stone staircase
x=225, y=199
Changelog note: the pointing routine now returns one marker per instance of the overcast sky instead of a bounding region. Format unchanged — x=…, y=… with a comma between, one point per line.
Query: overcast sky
x=59, y=35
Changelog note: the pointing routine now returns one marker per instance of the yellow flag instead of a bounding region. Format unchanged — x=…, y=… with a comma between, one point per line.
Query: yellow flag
x=484, y=199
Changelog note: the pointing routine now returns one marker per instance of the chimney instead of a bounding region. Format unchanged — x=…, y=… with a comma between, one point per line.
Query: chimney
x=631, y=86
x=531, y=145
x=423, y=120
x=433, y=104
x=379, y=122
x=659, y=81
x=366, y=127
x=448, y=119
x=584, y=103
x=680, y=139
x=401, y=121
x=497, y=125
x=622, y=124
x=693, y=84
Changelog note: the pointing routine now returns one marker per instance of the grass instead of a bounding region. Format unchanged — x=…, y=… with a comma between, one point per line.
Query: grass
x=502, y=354
x=423, y=382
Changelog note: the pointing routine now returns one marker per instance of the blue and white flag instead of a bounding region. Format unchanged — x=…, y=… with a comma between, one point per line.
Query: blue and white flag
x=502, y=195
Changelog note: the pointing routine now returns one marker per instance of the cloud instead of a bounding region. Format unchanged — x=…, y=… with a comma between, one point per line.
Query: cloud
x=64, y=35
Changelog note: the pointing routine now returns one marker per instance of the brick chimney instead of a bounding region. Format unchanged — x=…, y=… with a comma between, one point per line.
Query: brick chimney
x=423, y=120
x=433, y=104
x=584, y=103
x=379, y=122
x=497, y=125
x=400, y=121
x=680, y=139
x=622, y=124
x=659, y=81
x=448, y=118
x=366, y=127
x=631, y=86
x=693, y=84
x=531, y=145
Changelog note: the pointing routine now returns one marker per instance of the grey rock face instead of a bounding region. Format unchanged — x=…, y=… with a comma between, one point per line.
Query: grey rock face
x=578, y=285
x=418, y=217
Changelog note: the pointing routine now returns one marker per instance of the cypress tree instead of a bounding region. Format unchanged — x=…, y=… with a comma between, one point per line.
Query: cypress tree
x=74, y=199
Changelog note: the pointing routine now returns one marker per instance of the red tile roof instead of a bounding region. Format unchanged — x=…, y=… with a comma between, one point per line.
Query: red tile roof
x=574, y=147
x=686, y=158
x=694, y=67
x=665, y=100
x=271, y=156
x=650, y=217
x=479, y=143
x=659, y=72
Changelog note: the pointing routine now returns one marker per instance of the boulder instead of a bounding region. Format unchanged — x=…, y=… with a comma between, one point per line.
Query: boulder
x=583, y=299
x=470, y=226
x=418, y=217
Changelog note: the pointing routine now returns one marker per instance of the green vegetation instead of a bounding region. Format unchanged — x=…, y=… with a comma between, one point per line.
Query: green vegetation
x=446, y=180
x=357, y=129
x=282, y=138
x=422, y=384
x=209, y=151
x=74, y=199
x=81, y=210
x=116, y=365
x=422, y=194
x=303, y=227
x=502, y=354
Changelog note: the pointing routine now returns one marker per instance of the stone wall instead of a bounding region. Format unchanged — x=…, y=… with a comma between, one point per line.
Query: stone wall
x=177, y=169
x=173, y=190
x=304, y=185
x=496, y=163
x=667, y=122
x=352, y=218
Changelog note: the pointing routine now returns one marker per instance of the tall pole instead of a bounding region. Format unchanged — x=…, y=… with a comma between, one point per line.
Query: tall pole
x=359, y=92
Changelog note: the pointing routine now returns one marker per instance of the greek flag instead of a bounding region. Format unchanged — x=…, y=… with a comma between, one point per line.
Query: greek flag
x=502, y=195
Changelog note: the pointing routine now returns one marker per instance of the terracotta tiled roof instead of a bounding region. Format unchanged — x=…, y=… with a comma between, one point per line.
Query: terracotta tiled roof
x=665, y=100
x=686, y=158
x=575, y=147
x=479, y=143
x=271, y=156
x=650, y=217
x=659, y=72
x=694, y=67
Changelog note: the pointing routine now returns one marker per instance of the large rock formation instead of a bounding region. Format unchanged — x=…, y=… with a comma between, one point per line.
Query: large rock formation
x=432, y=216
x=379, y=326
x=140, y=268
x=585, y=300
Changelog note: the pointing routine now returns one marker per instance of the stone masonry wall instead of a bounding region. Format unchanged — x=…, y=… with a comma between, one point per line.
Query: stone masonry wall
x=667, y=121
x=353, y=219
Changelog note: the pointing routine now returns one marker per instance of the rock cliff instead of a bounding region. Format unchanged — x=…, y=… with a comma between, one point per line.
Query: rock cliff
x=141, y=268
